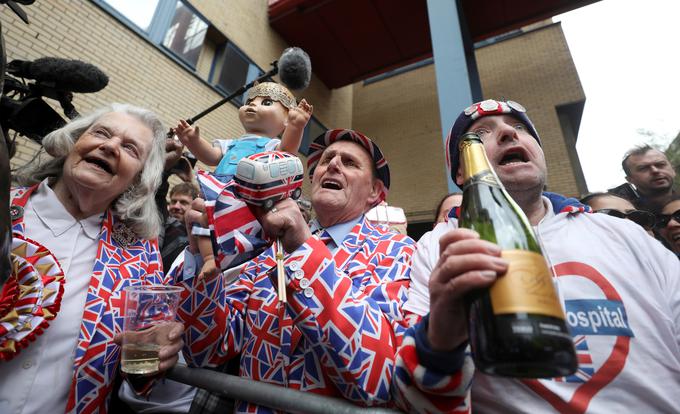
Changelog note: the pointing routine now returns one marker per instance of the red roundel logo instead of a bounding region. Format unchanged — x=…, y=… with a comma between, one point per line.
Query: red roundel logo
x=596, y=318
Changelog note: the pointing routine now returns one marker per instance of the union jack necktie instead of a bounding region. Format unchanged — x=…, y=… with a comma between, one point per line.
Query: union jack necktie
x=324, y=236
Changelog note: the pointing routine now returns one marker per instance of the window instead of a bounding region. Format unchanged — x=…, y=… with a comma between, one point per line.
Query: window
x=172, y=25
x=186, y=34
x=236, y=70
x=245, y=170
x=139, y=13
x=182, y=33
x=313, y=129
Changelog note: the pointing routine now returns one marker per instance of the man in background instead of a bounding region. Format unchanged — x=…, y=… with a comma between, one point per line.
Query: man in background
x=181, y=197
x=650, y=178
x=175, y=236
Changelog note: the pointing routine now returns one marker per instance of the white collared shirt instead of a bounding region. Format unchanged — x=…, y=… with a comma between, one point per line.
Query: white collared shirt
x=337, y=232
x=38, y=379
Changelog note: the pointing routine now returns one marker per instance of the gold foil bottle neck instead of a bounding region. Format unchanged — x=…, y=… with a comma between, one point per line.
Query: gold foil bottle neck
x=474, y=156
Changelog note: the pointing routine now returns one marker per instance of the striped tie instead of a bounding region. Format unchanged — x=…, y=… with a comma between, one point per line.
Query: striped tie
x=324, y=236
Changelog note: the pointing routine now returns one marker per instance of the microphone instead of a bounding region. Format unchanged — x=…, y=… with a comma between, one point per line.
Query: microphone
x=64, y=74
x=295, y=68
x=17, y=9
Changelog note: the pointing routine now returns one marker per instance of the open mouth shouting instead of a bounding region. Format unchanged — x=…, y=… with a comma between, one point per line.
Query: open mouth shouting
x=513, y=156
x=100, y=163
x=331, y=184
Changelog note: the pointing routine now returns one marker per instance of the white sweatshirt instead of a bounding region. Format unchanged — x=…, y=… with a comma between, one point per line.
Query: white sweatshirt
x=621, y=292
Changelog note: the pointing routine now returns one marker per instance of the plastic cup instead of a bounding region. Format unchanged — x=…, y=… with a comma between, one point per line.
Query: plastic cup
x=149, y=311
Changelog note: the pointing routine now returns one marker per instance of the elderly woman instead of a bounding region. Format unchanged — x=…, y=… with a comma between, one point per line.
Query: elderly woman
x=84, y=227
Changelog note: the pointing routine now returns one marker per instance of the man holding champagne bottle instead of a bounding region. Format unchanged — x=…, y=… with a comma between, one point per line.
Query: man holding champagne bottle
x=619, y=289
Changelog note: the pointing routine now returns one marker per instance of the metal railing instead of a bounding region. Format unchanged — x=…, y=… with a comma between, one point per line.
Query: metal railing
x=270, y=395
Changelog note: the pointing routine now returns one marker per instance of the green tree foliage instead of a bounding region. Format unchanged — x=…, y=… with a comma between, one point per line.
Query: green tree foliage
x=673, y=154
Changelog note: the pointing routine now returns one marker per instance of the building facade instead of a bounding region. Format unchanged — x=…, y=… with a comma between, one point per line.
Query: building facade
x=178, y=57
x=533, y=67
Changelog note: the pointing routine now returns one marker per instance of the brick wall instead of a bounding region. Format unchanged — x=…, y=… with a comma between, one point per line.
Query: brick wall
x=536, y=70
x=143, y=75
x=402, y=114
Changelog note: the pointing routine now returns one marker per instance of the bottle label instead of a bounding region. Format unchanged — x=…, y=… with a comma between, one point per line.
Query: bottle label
x=485, y=177
x=526, y=287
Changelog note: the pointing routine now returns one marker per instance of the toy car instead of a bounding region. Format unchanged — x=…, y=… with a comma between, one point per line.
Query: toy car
x=263, y=179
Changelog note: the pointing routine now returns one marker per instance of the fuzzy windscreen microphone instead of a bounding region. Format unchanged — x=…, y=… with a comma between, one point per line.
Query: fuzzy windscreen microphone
x=62, y=74
x=295, y=68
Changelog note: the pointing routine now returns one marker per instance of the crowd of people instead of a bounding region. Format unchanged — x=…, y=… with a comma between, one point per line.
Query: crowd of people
x=371, y=315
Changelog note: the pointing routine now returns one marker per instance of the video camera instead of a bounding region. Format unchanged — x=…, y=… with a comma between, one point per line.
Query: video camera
x=22, y=108
x=6, y=267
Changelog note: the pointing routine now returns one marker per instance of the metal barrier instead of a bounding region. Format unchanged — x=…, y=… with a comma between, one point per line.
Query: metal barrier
x=270, y=395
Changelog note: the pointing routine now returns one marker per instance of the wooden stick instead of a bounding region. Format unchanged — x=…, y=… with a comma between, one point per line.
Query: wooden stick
x=280, y=272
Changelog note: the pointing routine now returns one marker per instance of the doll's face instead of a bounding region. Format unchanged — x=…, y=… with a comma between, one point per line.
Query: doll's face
x=263, y=116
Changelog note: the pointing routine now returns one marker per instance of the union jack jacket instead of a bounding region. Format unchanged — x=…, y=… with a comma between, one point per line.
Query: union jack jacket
x=337, y=334
x=119, y=263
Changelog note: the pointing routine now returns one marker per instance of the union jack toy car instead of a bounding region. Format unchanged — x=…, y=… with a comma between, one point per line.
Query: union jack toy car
x=263, y=179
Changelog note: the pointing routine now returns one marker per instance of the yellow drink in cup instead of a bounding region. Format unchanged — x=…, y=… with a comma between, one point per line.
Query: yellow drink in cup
x=149, y=311
x=140, y=359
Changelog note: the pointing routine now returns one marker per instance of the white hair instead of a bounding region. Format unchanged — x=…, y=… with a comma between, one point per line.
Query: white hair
x=136, y=206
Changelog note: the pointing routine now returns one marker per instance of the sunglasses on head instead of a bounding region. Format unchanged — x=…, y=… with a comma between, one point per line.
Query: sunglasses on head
x=663, y=219
x=643, y=218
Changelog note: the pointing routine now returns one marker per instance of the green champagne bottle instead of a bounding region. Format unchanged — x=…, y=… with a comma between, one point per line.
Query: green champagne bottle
x=517, y=327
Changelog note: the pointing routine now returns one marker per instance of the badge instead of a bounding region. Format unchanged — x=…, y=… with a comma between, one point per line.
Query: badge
x=16, y=212
x=517, y=107
x=489, y=105
x=123, y=235
x=31, y=298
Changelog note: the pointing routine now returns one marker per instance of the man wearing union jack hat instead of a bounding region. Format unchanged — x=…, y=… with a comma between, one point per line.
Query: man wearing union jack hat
x=620, y=290
x=346, y=281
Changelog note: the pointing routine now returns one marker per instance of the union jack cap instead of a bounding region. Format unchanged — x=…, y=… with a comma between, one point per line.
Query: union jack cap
x=323, y=141
x=478, y=110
